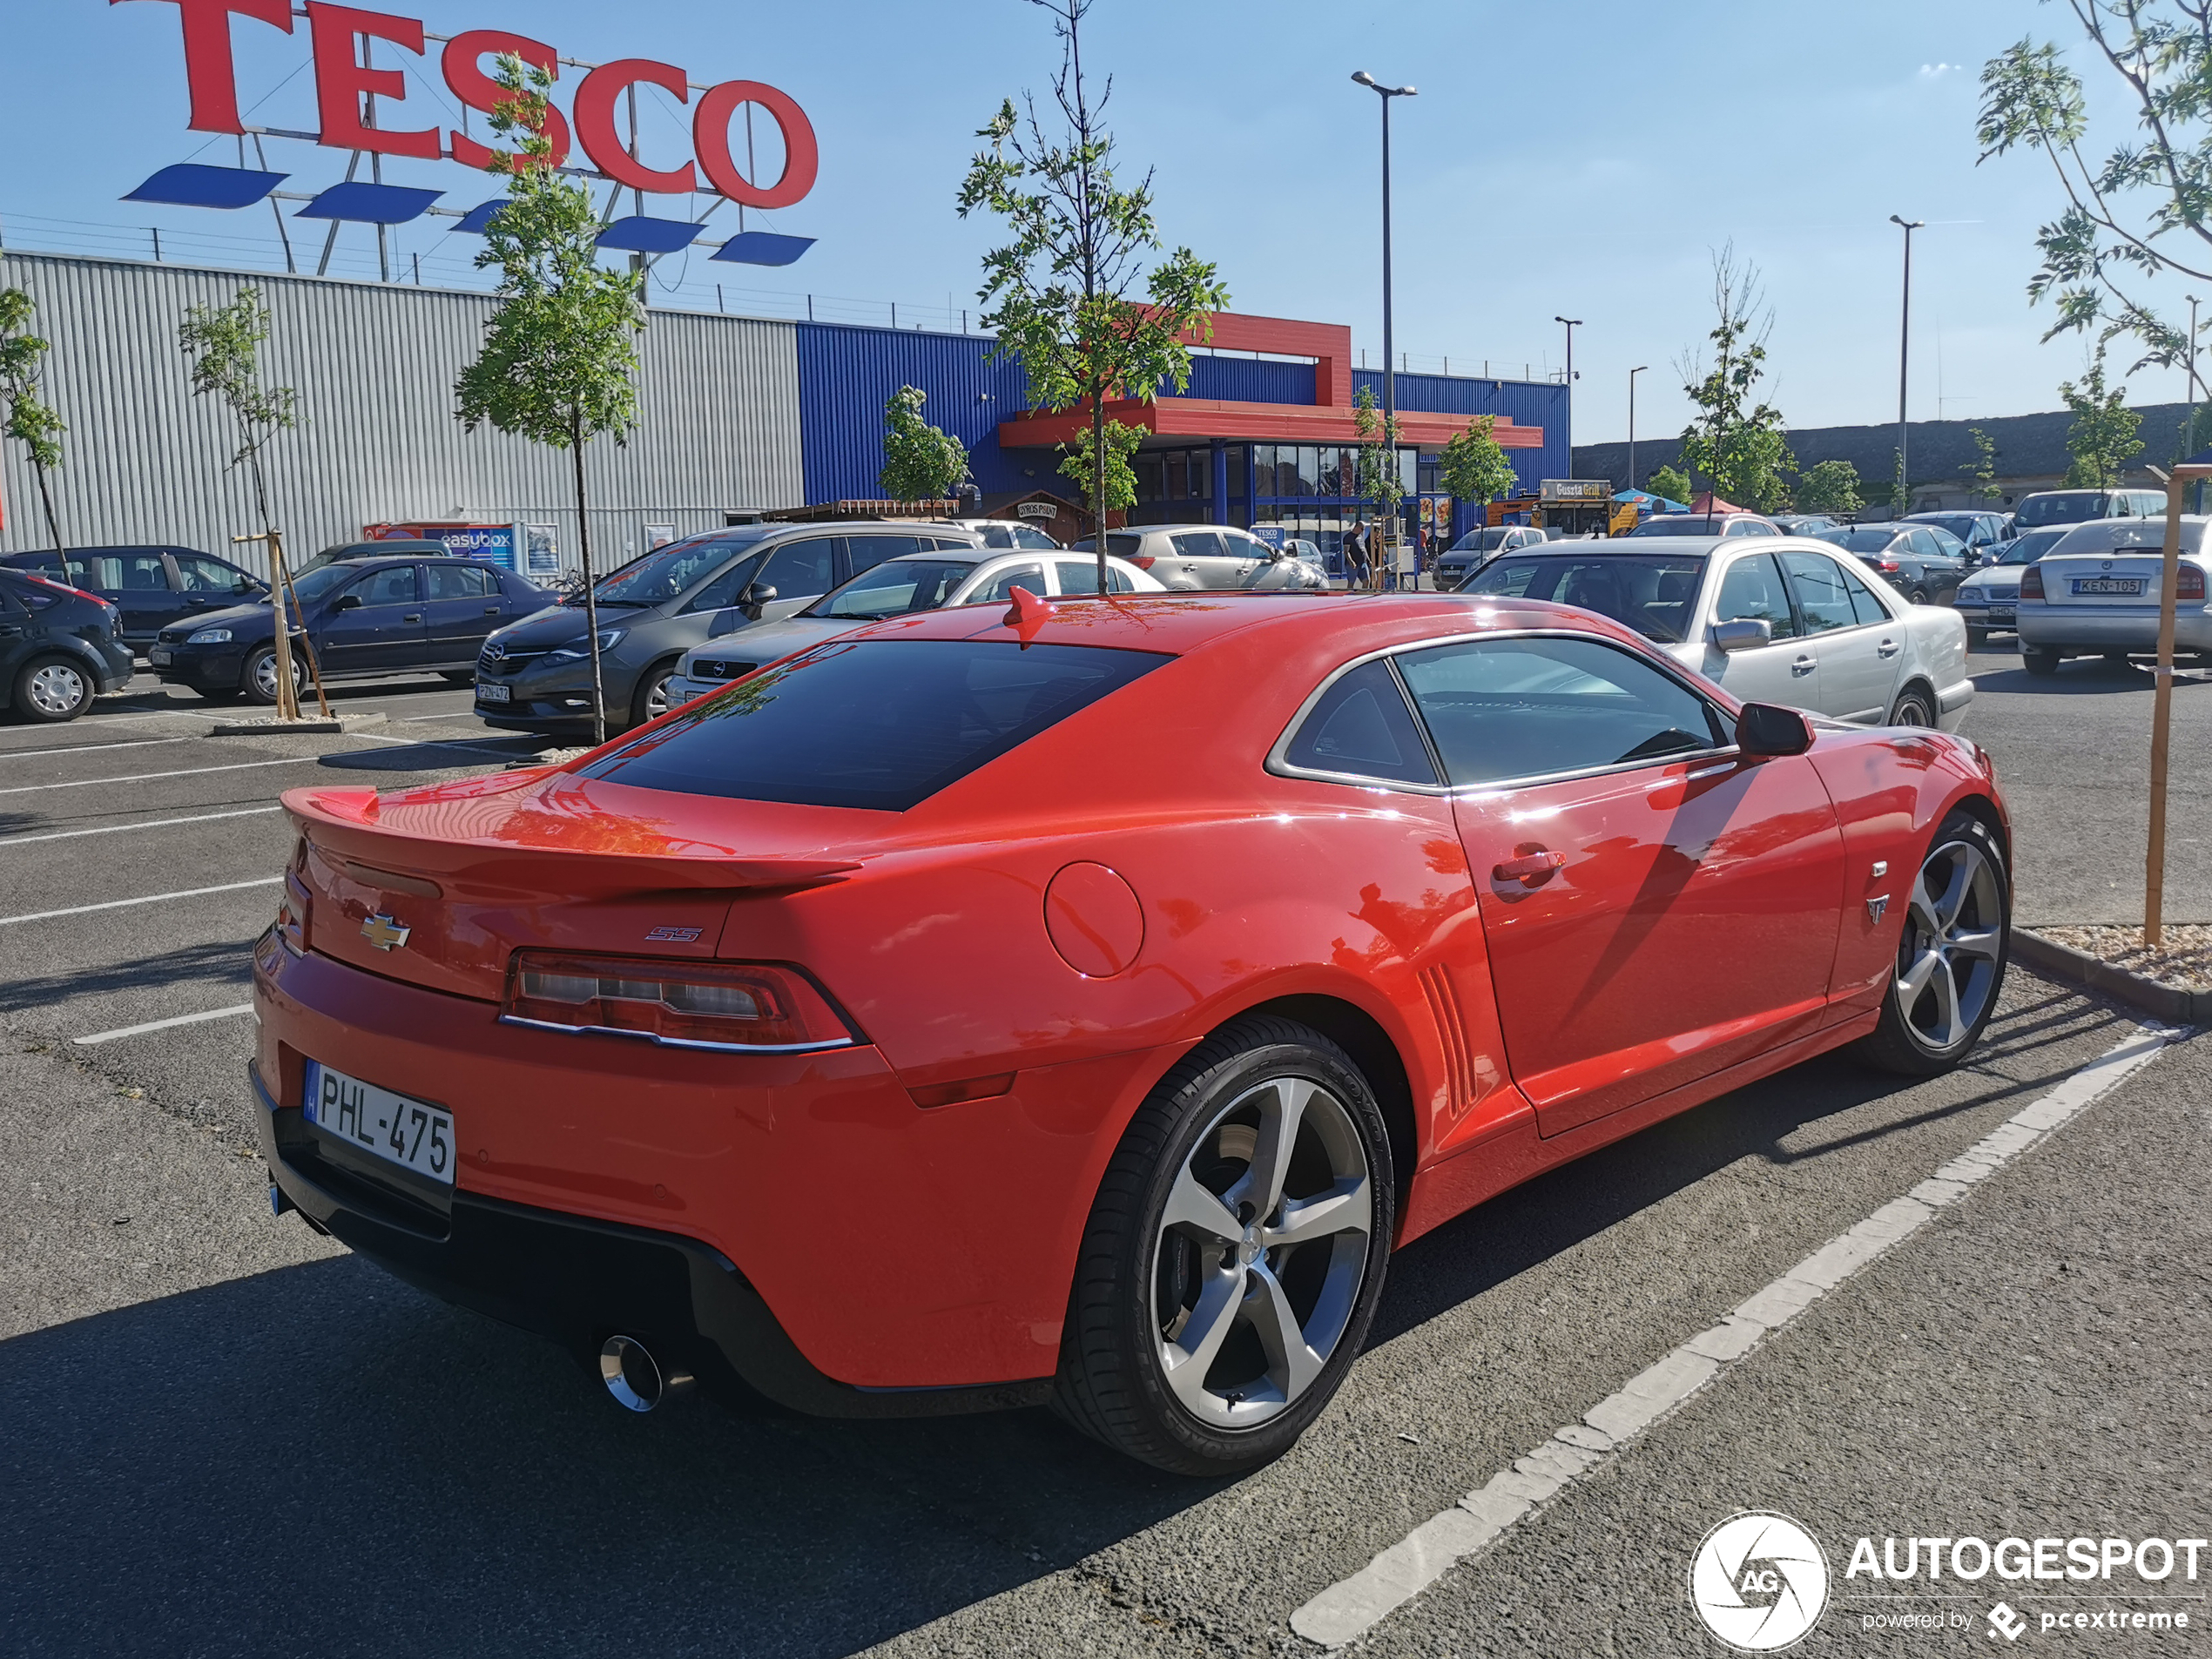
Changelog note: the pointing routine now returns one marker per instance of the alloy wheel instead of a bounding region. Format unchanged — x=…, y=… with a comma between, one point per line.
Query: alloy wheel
x=264, y=676
x=657, y=697
x=1261, y=1251
x=1954, y=931
x=57, y=689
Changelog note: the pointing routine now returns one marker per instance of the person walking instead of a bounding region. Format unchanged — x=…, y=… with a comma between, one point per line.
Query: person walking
x=1355, y=556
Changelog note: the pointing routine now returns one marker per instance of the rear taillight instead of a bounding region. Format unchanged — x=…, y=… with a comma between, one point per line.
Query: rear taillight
x=702, y=1005
x=2031, y=583
x=1887, y=567
x=1142, y=560
x=2189, y=584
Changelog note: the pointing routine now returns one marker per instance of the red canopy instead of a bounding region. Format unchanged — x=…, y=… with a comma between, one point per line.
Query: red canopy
x=1709, y=502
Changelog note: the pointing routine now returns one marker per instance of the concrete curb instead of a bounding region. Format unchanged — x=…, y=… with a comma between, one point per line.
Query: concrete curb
x=268, y=725
x=2058, y=962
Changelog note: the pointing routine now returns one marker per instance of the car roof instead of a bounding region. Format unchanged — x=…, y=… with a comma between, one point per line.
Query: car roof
x=348, y=552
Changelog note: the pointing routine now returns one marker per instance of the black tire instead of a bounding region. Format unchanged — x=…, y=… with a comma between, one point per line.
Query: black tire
x=2039, y=661
x=1913, y=1038
x=52, y=689
x=1977, y=639
x=649, y=701
x=257, y=682
x=1113, y=1382
x=1918, y=596
x=1913, y=707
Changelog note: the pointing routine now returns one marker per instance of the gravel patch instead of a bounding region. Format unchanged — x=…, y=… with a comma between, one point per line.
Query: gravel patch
x=2183, y=959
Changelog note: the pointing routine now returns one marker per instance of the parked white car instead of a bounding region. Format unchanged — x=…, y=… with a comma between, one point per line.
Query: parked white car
x=895, y=587
x=2098, y=592
x=1774, y=619
x=1989, y=598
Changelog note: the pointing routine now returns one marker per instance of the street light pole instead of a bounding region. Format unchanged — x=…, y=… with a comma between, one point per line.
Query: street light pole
x=1632, y=373
x=1390, y=360
x=1573, y=323
x=1904, y=349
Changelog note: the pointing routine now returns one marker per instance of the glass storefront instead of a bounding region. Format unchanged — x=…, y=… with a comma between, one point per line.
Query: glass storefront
x=1312, y=492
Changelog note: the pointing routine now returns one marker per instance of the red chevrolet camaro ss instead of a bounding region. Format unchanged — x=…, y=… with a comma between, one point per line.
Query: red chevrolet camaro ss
x=1080, y=1002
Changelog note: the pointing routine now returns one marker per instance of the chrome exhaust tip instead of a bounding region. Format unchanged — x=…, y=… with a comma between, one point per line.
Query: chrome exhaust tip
x=635, y=1377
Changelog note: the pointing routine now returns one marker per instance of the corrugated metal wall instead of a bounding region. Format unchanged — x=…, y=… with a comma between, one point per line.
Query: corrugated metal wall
x=1249, y=380
x=847, y=374
x=374, y=366
x=1542, y=403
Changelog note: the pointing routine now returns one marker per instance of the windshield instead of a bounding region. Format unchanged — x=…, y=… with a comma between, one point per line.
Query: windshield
x=894, y=588
x=880, y=724
x=1652, y=594
x=1876, y=540
x=2062, y=507
x=318, y=582
x=673, y=571
x=1481, y=540
x=1961, y=525
x=2027, y=549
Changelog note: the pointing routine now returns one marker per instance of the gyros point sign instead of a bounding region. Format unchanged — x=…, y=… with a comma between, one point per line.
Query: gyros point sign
x=342, y=81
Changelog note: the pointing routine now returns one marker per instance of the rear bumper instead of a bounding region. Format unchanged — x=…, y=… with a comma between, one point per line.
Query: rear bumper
x=580, y=1280
x=2059, y=627
x=1952, y=702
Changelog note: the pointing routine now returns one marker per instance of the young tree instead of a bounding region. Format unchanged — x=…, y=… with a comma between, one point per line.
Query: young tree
x=31, y=422
x=224, y=345
x=1830, y=487
x=920, y=462
x=1079, y=296
x=559, y=365
x=1671, y=483
x=2142, y=211
x=1474, y=468
x=1737, y=439
x=1379, y=471
x=1079, y=461
x=2102, y=438
x=1981, y=471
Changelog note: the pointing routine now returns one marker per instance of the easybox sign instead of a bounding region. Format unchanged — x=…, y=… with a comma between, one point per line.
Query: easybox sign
x=342, y=81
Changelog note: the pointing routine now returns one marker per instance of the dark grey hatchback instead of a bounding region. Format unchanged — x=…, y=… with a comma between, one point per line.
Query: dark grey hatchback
x=60, y=647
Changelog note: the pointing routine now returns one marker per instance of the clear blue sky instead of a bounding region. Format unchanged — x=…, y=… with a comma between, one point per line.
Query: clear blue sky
x=1579, y=158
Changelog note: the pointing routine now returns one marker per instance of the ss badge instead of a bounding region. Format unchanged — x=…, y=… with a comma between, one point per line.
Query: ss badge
x=1875, y=907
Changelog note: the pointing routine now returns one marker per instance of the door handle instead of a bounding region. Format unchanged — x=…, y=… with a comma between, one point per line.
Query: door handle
x=491, y=610
x=1888, y=648
x=1804, y=666
x=9, y=631
x=417, y=616
x=1530, y=869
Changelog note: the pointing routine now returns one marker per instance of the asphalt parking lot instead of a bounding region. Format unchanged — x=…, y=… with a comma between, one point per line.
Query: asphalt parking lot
x=225, y=1435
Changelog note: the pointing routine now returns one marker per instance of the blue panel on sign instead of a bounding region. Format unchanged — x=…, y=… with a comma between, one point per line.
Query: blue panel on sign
x=361, y=202
x=479, y=219
x=190, y=185
x=640, y=234
x=763, y=247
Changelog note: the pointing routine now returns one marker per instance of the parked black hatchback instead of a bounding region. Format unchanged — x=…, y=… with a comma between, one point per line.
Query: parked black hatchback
x=365, y=619
x=58, y=648
x=153, y=587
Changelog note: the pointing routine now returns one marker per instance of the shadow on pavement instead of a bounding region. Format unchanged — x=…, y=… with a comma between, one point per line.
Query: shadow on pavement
x=2077, y=677
x=226, y=962
x=439, y=755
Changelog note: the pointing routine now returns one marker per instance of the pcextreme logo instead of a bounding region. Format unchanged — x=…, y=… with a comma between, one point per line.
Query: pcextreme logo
x=1759, y=1582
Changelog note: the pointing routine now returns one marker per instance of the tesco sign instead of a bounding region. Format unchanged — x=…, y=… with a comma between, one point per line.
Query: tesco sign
x=343, y=80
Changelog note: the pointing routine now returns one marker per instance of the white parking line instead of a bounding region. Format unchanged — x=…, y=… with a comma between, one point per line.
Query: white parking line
x=148, y=777
x=144, y=824
x=150, y=898
x=92, y=748
x=99, y=1037
x=1350, y=1608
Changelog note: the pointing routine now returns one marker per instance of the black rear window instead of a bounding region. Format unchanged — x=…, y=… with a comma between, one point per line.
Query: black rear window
x=880, y=723
x=2062, y=507
x=1653, y=593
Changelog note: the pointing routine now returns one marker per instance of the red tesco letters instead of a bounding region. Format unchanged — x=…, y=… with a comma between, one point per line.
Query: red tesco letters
x=463, y=66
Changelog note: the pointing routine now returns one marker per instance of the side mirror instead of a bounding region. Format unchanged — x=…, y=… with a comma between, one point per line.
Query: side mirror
x=347, y=602
x=757, y=598
x=1768, y=729
x=1745, y=633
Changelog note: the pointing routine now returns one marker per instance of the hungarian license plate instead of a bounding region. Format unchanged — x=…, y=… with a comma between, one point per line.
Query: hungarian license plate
x=2130, y=586
x=411, y=1133
x=159, y=656
x=487, y=692
x=2001, y=613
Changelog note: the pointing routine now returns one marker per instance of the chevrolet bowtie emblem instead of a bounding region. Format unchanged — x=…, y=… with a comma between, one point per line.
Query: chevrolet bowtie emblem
x=384, y=934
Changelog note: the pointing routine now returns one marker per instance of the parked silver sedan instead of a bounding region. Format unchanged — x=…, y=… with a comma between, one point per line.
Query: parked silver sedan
x=1189, y=557
x=1773, y=620
x=2098, y=590
x=895, y=587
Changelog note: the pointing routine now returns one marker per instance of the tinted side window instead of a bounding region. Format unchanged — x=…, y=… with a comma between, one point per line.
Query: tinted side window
x=1864, y=603
x=458, y=581
x=1752, y=590
x=1525, y=708
x=1361, y=727
x=1189, y=544
x=1822, y=598
x=868, y=551
x=798, y=570
x=396, y=586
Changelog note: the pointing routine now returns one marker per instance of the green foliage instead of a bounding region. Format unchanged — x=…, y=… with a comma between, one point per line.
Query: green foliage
x=1672, y=483
x=1737, y=439
x=1474, y=469
x=559, y=363
x=2143, y=210
x=1830, y=487
x=1381, y=475
x=30, y=421
x=1079, y=296
x=920, y=462
x=1079, y=462
x=224, y=345
x=1981, y=471
x=2102, y=438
